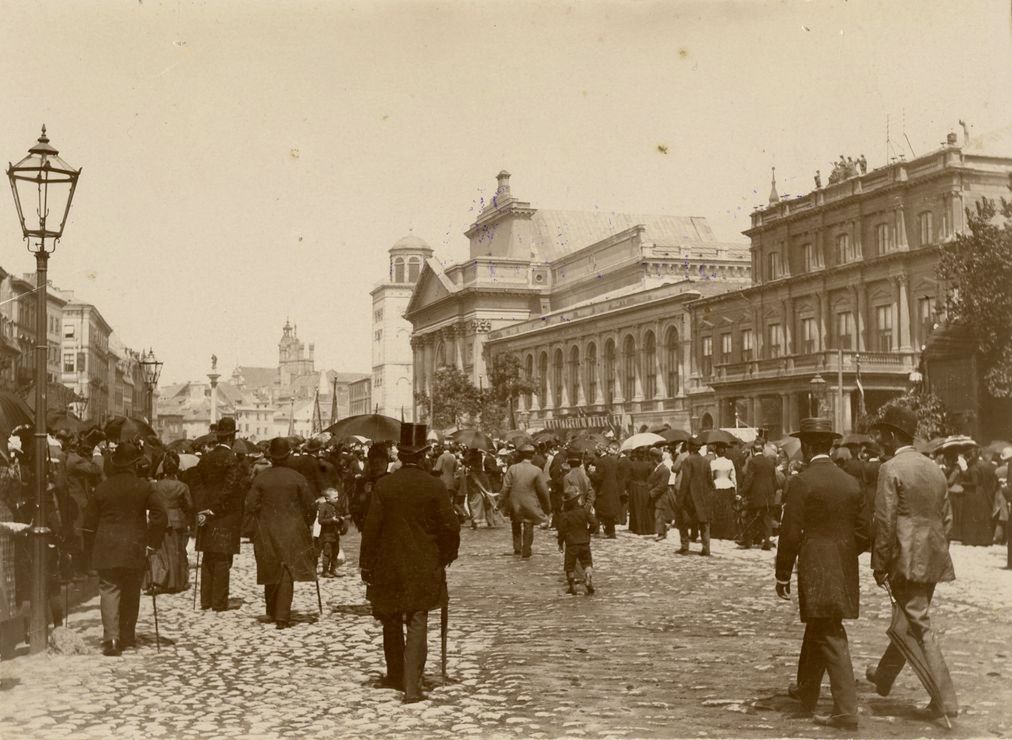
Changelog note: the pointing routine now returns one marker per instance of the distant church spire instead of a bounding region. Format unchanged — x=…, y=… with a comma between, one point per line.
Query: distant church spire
x=774, y=196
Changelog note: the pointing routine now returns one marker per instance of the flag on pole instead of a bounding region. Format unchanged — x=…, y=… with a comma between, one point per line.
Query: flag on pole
x=860, y=388
x=333, y=403
x=317, y=423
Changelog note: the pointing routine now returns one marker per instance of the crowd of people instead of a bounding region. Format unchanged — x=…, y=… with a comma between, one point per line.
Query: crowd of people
x=126, y=508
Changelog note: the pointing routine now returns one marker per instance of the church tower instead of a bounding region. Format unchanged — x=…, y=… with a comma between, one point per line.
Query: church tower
x=293, y=362
x=392, y=361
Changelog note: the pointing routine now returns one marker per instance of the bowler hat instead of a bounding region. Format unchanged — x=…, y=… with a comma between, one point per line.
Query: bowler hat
x=696, y=441
x=226, y=427
x=280, y=449
x=900, y=419
x=526, y=447
x=816, y=426
x=413, y=438
x=570, y=494
x=314, y=445
x=126, y=455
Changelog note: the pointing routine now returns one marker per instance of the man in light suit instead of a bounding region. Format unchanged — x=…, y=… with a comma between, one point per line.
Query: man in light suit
x=525, y=490
x=913, y=519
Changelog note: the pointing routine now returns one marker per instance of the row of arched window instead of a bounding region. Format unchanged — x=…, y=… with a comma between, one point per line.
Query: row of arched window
x=619, y=373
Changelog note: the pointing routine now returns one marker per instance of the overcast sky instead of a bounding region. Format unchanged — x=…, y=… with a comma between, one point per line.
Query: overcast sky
x=248, y=162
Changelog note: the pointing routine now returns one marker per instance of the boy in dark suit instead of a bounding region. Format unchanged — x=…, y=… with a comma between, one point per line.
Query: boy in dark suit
x=574, y=526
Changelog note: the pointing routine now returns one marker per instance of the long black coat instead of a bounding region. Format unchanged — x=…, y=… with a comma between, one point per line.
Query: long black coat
x=220, y=479
x=124, y=516
x=695, y=491
x=824, y=529
x=607, y=488
x=283, y=506
x=411, y=534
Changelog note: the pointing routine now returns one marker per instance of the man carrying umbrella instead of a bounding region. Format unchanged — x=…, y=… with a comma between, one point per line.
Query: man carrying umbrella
x=911, y=554
x=824, y=530
x=411, y=534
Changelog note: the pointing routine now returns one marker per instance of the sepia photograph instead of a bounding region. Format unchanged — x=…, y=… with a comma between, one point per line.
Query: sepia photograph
x=471, y=369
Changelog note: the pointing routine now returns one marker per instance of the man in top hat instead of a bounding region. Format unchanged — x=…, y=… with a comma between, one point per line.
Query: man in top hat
x=824, y=529
x=125, y=521
x=219, y=521
x=913, y=520
x=695, y=496
x=526, y=491
x=411, y=534
x=282, y=506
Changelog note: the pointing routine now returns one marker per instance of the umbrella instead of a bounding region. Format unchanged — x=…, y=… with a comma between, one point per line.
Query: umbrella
x=187, y=461
x=996, y=447
x=376, y=427
x=434, y=436
x=719, y=437
x=14, y=412
x=855, y=439
x=675, y=435
x=546, y=437
x=660, y=428
x=63, y=420
x=791, y=447
x=929, y=448
x=474, y=439
x=643, y=439
x=517, y=438
x=584, y=443
x=957, y=441
x=911, y=647
x=127, y=429
x=205, y=440
x=243, y=447
x=180, y=446
x=355, y=439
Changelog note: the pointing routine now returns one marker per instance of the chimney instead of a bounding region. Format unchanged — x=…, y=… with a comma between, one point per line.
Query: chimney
x=950, y=138
x=503, y=178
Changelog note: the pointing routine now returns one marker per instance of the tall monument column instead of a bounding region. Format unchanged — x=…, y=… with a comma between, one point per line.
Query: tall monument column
x=213, y=377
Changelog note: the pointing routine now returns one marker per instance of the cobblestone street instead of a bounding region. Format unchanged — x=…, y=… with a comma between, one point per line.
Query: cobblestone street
x=668, y=646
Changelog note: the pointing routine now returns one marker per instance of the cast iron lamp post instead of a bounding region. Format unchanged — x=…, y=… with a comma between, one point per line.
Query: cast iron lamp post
x=817, y=390
x=43, y=187
x=152, y=371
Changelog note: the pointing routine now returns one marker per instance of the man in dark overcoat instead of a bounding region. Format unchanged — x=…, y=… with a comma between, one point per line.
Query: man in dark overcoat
x=607, y=491
x=913, y=520
x=661, y=494
x=124, y=521
x=695, y=496
x=824, y=529
x=759, y=491
x=411, y=534
x=282, y=507
x=219, y=523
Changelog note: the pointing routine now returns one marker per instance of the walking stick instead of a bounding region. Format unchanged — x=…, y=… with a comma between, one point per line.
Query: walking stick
x=196, y=580
x=154, y=605
x=319, y=599
x=444, y=625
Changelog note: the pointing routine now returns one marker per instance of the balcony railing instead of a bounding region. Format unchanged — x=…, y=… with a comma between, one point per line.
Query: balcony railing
x=826, y=361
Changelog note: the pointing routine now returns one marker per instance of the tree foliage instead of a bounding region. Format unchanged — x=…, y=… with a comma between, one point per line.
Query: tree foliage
x=933, y=419
x=454, y=399
x=506, y=384
x=978, y=266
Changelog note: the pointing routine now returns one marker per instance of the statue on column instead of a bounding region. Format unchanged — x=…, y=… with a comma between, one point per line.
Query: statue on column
x=214, y=363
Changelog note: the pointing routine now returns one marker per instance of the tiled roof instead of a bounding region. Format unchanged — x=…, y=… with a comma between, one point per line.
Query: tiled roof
x=259, y=377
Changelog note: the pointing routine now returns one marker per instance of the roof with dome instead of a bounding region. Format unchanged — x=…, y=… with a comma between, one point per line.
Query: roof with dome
x=411, y=243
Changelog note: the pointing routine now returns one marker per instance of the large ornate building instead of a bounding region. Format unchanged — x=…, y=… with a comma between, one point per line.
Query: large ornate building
x=392, y=391
x=601, y=290
x=845, y=289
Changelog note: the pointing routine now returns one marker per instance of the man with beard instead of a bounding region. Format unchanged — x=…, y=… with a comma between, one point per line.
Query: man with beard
x=411, y=535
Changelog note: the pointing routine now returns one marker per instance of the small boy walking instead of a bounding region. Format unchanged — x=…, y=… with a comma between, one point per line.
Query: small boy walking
x=575, y=524
x=330, y=531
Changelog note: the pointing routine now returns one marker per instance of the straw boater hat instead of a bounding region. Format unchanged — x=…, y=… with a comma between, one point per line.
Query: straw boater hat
x=816, y=427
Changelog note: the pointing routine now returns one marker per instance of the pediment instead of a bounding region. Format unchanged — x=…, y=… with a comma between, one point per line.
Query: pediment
x=433, y=285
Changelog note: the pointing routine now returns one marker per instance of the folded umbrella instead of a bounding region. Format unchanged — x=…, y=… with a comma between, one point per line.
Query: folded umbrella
x=377, y=427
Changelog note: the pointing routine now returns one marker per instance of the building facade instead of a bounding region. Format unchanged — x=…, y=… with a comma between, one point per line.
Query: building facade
x=88, y=365
x=360, y=397
x=526, y=263
x=845, y=289
x=392, y=390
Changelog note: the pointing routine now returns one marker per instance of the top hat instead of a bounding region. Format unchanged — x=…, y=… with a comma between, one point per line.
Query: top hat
x=413, y=438
x=816, y=426
x=279, y=449
x=900, y=419
x=226, y=427
x=126, y=455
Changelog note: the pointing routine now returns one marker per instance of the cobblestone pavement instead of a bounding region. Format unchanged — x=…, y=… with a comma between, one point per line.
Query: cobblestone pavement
x=669, y=646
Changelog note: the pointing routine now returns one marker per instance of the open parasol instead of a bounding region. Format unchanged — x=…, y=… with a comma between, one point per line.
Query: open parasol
x=377, y=427
x=517, y=438
x=643, y=439
x=474, y=439
x=180, y=446
x=13, y=412
x=675, y=435
x=546, y=436
x=587, y=442
x=128, y=429
x=791, y=447
x=63, y=421
x=719, y=437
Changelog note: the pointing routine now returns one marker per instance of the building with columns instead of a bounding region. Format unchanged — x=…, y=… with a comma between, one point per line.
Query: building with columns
x=391, y=390
x=845, y=288
x=530, y=271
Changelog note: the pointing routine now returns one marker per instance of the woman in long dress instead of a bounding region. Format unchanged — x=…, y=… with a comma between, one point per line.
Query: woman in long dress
x=726, y=484
x=476, y=487
x=170, y=568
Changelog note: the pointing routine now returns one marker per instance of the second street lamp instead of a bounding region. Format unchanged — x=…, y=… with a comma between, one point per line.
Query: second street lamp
x=152, y=368
x=817, y=391
x=43, y=186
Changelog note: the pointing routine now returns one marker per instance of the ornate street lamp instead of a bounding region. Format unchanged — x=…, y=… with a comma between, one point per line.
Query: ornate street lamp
x=43, y=186
x=817, y=392
x=152, y=371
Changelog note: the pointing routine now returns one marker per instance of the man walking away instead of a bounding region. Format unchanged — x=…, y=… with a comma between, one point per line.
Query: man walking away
x=525, y=490
x=411, y=534
x=824, y=530
x=125, y=520
x=695, y=495
x=913, y=520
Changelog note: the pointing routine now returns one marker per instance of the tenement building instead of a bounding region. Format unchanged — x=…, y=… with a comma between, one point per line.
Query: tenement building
x=591, y=302
x=845, y=288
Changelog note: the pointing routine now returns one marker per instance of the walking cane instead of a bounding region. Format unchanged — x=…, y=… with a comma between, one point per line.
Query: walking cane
x=444, y=625
x=154, y=605
x=319, y=599
x=196, y=573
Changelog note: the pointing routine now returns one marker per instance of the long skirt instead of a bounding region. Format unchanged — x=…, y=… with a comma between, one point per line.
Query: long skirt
x=978, y=528
x=641, y=509
x=170, y=569
x=723, y=518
